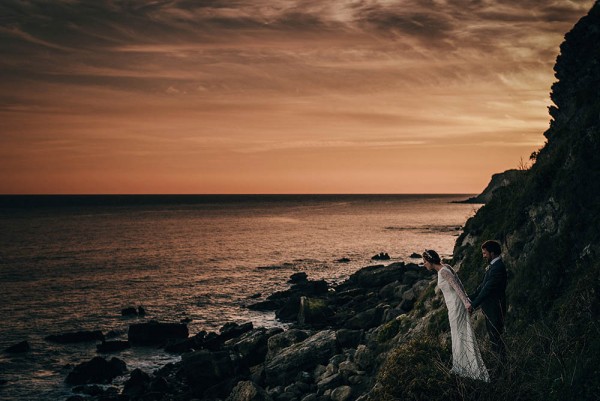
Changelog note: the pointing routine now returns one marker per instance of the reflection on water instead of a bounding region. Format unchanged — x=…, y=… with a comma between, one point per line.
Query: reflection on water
x=75, y=268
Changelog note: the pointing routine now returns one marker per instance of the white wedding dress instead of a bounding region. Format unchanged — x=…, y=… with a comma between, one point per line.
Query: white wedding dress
x=466, y=358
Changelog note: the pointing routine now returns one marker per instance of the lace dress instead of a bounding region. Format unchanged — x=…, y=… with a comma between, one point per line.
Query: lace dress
x=466, y=358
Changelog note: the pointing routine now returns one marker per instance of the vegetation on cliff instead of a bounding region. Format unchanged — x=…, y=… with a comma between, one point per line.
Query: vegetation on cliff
x=547, y=221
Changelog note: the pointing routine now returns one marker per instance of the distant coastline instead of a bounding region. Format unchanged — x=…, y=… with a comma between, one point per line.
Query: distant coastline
x=35, y=201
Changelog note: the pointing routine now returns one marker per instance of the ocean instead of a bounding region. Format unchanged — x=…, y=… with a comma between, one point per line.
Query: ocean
x=70, y=263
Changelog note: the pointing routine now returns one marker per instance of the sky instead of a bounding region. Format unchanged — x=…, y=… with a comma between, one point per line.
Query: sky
x=273, y=96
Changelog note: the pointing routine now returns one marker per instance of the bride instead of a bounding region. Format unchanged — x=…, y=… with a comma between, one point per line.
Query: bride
x=466, y=358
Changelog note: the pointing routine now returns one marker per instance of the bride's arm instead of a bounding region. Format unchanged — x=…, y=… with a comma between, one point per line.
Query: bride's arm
x=457, y=285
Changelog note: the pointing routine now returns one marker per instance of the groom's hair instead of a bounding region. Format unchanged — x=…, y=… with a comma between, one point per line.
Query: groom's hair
x=492, y=247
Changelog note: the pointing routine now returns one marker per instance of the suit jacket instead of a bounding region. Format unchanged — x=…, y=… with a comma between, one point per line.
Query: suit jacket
x=491, y=294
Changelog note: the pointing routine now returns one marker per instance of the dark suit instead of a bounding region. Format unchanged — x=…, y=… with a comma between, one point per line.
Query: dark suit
x=491, y=296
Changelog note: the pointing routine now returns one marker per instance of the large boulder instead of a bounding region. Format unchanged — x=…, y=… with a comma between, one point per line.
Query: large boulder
x=285, y=339
x=98, y=370
x=304, y=356
x=155, y=333
x=203, y=369
x=137, y=385
x=233, y=330
x=314, y=311
x=252, y=346
x=378, y=275
x=248, y=391
x=365, y=320
x=76, y=337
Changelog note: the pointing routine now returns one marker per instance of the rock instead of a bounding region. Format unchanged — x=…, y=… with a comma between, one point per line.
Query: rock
x=342, y=393
x=112, y=346
x=391, y=314
x=349, y=338
x=97, y=370
x=232, y=330
x=347, y=369
x=314, y=311
x=76, y=337
x=310, y=397
x=365, y=320
x=75, y=398
x=188, y=344
x=298, y=278
x=381, y=256
x=364, y=357
x=415, y=255
x=141, y=311
x=310, y=288
x=498, y=180
x=411, y=277
x=202, y=369
x=255, y=296
x=285, y=365
x=289, y=311
x=377, y=276
x=137, y=385
x=21, y=347
x=155, y=333
x=129, y=311
x=159, y=384
x=330, y=382
x=278, y=342
x=248, y=391
x=252, y=346
x=392, y=290
x=343, y=260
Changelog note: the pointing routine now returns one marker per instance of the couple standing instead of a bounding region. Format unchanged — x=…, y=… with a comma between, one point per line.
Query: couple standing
x=490, y=296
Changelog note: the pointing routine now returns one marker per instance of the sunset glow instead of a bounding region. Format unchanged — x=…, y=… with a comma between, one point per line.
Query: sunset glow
x=218, y=96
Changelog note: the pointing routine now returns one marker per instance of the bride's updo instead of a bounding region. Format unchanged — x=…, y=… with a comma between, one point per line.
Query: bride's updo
x=432, y=256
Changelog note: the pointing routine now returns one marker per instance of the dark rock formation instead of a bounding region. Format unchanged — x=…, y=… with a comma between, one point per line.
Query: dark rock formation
x=76, y=337
x=499, y=180
x=155, y=333
x=298, y=278
x=137, y=384
x=381, y=256
x=248, y=391
x=203, y=369
x=97, y=370
x=283, y=367
x=21, y=347
x=129, y=311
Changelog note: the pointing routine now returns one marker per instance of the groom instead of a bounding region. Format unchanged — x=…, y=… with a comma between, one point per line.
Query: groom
x=491, y=295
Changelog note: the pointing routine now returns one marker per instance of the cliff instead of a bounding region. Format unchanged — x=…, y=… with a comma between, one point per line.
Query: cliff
x=547, y=221
x=498, y=180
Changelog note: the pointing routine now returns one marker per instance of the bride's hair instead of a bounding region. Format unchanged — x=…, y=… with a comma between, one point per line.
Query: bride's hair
x=431, y=256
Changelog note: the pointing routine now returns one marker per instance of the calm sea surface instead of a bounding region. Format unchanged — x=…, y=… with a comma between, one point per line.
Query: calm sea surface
x=69, y=264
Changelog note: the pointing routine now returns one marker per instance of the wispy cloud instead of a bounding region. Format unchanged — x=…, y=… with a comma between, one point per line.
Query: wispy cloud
x=271, y=77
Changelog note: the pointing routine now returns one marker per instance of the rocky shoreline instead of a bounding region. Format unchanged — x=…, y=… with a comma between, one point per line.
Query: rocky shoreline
x=337, y=338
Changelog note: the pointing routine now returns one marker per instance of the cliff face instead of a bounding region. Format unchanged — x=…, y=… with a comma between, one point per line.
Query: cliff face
x=548, y=221
x=498, y=181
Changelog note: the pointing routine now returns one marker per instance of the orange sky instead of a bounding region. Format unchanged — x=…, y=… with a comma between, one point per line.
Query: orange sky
x=226, y=96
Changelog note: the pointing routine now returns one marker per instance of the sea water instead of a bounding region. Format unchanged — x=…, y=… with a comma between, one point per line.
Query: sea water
x=72, y=263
